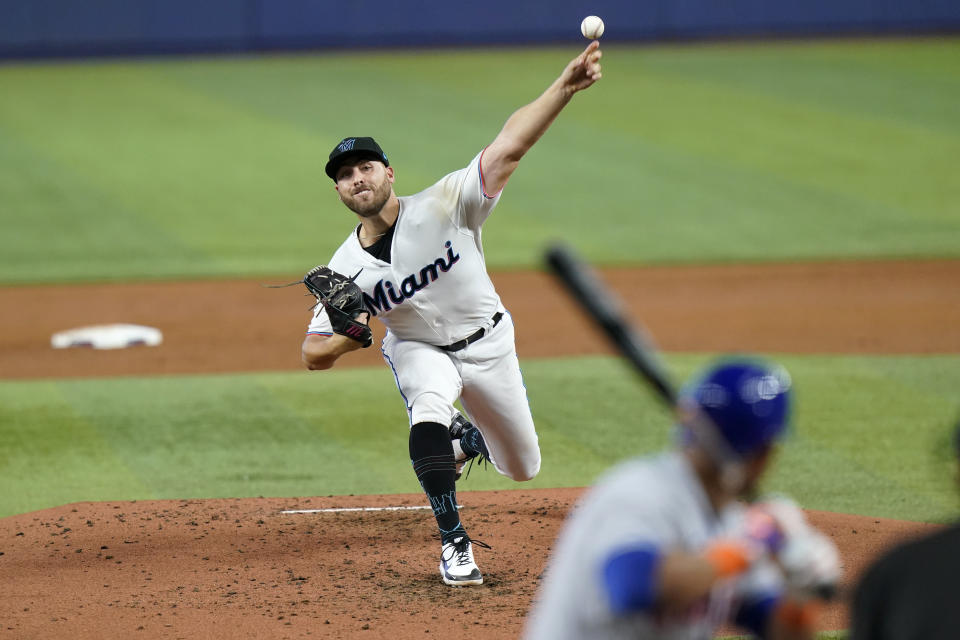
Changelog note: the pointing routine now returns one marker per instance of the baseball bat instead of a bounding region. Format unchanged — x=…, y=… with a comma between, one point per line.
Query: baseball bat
x=604, y=308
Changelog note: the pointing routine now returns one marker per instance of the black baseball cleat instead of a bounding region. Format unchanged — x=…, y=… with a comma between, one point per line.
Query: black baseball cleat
x=459, y=428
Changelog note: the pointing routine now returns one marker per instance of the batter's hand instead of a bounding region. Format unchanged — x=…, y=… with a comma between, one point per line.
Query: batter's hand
x=811, y=564
x=583, y=70
x=809, y=559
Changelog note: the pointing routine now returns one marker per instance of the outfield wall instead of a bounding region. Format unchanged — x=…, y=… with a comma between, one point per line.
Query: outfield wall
x=42, y=28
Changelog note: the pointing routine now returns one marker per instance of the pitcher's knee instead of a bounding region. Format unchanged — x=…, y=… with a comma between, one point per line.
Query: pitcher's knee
x=525, y=470
x=430, y=407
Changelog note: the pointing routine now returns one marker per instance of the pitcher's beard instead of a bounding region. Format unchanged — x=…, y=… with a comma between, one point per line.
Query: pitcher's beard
x=369, y=209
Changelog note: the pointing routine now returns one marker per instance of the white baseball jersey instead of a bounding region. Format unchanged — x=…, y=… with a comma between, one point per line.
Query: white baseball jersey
x=436, y=292
x=654, y=503
x=436, y=288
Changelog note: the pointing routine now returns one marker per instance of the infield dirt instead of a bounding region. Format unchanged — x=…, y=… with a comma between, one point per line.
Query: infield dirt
x=242, y=569
x=222, y=326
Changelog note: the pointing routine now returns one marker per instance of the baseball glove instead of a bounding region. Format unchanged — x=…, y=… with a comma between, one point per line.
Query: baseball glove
x=343, y=300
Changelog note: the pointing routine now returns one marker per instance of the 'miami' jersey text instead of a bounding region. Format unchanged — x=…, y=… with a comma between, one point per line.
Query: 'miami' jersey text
x=385, y=292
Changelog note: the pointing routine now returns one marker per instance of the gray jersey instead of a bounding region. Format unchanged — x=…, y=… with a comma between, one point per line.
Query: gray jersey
x=656, y=502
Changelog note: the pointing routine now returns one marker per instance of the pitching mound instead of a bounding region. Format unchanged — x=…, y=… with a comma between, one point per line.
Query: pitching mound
x=245, y=569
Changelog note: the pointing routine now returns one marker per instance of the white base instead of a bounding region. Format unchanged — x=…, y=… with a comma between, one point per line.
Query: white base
x=107, y=336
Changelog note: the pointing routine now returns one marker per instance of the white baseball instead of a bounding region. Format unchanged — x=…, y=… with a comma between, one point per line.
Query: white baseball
x=591, y=27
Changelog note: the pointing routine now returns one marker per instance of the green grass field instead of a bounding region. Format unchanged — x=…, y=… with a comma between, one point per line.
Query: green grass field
x=870, y=434
x=212, y=167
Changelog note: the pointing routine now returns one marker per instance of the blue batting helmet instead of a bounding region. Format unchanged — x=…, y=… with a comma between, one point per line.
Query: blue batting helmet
x=747, y=401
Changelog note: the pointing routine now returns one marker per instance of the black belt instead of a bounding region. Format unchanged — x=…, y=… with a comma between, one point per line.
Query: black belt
x=456, y=346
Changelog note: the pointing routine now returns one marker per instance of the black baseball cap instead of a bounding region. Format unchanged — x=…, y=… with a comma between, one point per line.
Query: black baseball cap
x=352, y=147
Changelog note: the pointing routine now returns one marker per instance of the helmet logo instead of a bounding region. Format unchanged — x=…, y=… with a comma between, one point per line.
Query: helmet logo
x=713, y=395
x=765, y=387
x=756, y=389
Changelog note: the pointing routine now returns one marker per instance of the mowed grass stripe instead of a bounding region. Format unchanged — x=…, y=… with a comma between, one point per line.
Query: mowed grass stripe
x=871, y=434
x=177, y=437
x=237, y=434
x=79, y=230
x=714, y=152
x=198, y=176
x=876, y=427
x=51, y=455
x=854, y=155
x=872, y=78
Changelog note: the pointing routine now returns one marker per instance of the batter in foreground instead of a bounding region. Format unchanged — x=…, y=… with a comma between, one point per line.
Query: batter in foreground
x=661, y=548
x=419, y=263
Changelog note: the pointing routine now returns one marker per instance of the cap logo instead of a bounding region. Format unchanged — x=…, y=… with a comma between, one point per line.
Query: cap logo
x=346, y=145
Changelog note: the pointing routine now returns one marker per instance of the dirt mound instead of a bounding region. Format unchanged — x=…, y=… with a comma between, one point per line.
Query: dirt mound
x=245, y=569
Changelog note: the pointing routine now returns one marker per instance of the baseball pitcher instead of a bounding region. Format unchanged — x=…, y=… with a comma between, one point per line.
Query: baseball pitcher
x=417, y=264
x=662, y=548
